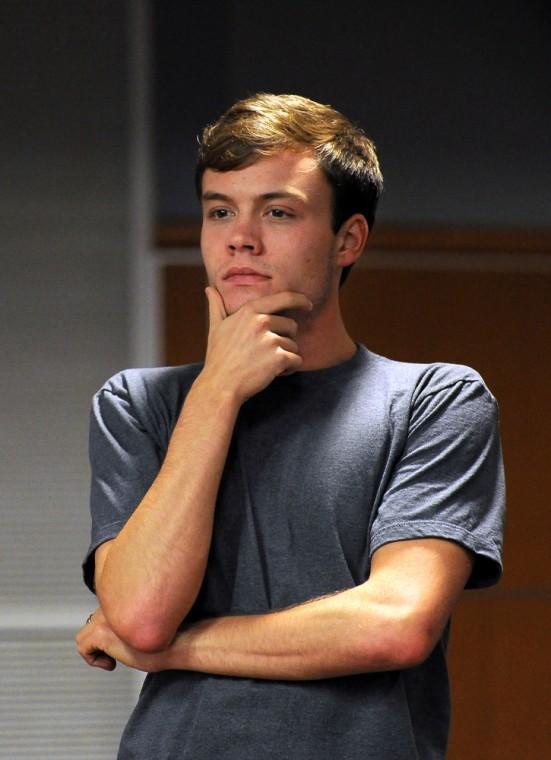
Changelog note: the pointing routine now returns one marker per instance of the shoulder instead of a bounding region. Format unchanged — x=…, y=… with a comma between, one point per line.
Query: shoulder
x=151, y=382
x=418, y=381
x=422, y=376
x=151, y=397
x=423, y=393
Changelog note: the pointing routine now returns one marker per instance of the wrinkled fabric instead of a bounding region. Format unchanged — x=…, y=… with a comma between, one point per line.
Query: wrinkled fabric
x=324, y=468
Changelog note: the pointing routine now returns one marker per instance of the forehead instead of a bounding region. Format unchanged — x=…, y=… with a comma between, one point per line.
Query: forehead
x=288, y=171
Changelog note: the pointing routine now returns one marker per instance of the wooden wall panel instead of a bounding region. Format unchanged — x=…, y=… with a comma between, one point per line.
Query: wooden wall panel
x=500, y=671
x=184, y=314
x=500, y=323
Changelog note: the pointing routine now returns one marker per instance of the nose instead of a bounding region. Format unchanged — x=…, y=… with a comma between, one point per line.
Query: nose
x=244, y=238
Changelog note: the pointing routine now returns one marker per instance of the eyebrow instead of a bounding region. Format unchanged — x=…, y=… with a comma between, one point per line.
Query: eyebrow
x=211, y=195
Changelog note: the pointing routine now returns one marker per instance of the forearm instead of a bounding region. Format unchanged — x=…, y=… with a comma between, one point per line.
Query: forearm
x=323, y=638
x=339, y=635
x=154, y=567
x=391, y=621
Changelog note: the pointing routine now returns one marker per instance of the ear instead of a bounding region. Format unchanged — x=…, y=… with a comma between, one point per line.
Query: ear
x=351, y=239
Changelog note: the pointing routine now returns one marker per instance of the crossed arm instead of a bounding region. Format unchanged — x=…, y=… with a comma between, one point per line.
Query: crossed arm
x=392, y=621
x=148, y=577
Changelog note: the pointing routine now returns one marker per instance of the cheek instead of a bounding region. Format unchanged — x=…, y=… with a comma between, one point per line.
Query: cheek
x=316, y=258
x=209, y=273
x=210, y=264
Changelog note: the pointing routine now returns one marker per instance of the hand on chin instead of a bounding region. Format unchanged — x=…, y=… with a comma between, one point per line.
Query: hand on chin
x=237, y=297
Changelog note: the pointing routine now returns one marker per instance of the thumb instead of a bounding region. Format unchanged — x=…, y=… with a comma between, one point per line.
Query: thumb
x=217, y=311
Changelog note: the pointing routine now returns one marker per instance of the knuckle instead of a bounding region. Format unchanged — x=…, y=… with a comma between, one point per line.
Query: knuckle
x=281, y=358
x=247, y=308
x=263, y=321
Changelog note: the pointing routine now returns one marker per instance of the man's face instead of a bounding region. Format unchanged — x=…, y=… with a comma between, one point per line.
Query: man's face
x=267, y=228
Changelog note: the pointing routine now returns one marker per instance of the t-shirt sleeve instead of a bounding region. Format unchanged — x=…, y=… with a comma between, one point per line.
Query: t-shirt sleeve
x=448, y=482
x=125, y=458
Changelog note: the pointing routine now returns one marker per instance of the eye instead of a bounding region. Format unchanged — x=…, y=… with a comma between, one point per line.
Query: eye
x=279, y=213
x=218, y=213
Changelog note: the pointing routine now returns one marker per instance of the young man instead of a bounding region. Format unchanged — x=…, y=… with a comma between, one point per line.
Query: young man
x=281, y=533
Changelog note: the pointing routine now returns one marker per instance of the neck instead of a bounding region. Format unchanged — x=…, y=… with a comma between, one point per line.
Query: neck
x=323, y=340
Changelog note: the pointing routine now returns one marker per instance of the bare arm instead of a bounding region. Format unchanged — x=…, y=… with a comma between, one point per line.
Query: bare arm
x=148, y=577
x=394, y=620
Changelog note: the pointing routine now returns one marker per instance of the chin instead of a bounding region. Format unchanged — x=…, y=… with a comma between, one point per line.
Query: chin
x=238, y=297
x=235, y=301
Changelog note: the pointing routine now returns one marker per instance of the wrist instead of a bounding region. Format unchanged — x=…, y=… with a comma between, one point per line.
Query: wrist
x=215, y=394
x=175, y=657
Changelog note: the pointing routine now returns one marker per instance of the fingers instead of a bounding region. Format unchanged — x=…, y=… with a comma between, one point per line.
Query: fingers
x=217, y=310
x=89, y=645
x=284, y=326
x=288, y=349
x=94, y=657
x=272, y=304
x=255, y=344
x=98, y=659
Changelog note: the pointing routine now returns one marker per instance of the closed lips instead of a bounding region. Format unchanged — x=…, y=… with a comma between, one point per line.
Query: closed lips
x=244, y=272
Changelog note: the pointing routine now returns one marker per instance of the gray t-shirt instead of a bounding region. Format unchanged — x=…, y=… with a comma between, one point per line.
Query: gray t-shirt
x=324, y=468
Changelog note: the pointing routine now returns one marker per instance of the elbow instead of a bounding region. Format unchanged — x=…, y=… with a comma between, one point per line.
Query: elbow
x=143, y=636
x=415, y=647
x=143, y=630
x=148, y=639
x=404, y=641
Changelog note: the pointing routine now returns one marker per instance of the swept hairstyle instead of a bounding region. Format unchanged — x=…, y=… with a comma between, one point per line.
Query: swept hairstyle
x=265, y=124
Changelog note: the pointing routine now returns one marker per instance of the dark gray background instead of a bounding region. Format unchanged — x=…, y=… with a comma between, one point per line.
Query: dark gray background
x=455, y=95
